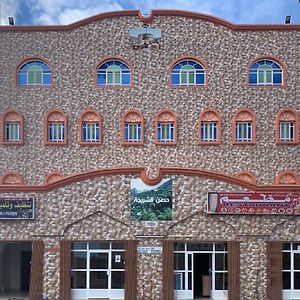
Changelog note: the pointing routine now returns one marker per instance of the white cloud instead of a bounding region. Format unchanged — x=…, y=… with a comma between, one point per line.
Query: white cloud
x=61, y=12
x=8, y=8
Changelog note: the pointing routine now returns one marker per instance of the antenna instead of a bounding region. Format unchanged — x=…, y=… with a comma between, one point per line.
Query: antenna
x=11, y=21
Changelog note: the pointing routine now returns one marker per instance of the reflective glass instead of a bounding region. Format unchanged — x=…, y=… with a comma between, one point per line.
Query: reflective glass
x=78, y=260
x=98, y=280
x=98, y=260
x=78, y=280
x=117, y=280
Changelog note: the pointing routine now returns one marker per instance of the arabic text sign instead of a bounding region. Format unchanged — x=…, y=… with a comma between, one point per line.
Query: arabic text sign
x=254, y=203
x=16, y=208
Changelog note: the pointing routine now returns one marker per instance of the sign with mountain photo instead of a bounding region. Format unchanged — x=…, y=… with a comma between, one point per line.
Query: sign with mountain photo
x=151, y=203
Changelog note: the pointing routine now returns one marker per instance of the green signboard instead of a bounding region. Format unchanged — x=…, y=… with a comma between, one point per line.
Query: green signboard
x=151, y=203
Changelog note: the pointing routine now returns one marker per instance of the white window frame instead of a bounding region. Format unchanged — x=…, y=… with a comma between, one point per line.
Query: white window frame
x=12, y=132
x=131, y=127
x=90, y=130
x=209, y=128
x=245, y=126
x=167, y=128
x=291, y=293
x=59, y=129
x=288, y=129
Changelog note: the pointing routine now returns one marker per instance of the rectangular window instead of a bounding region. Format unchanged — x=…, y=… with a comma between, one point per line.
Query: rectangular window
x=90, y=132
x=133, y=132
x=12, y=132
x=209, y=131
x=165, y=132
x=243, y=131
x=56, y=132
x=287, y=130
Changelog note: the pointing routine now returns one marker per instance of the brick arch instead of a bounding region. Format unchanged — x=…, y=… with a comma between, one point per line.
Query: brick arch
x=165, y=116
x=246, y=176
x=132, y=116
x=53, y=177
x=244, y=115
x=15, y=117
x=287, y=114
x=27, y=60
x=193, y=58
x=210, y=115
x=108, y=58
x=90, y=116
x=287, y=177
x=276, y=60
x=12, y=178
x=55, y=116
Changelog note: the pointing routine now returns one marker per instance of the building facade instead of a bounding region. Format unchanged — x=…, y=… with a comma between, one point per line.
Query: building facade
x=201, y=106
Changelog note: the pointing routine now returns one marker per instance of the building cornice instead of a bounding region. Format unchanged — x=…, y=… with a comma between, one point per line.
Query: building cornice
x=141, y=171
x=148, y=19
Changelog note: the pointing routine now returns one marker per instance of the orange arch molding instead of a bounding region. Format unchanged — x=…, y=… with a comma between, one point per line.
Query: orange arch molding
x=148, y=19
x=141, y=171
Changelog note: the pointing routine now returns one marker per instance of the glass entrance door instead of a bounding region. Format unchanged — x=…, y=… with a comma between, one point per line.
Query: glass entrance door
x=291, y=270
x=97, y=270
x=200, y=270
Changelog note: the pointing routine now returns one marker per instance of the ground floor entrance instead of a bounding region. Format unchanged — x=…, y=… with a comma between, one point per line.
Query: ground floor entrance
x=15, y=268
x=97, y=270
x=200, y=271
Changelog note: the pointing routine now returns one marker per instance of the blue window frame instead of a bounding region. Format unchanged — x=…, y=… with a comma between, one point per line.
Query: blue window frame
x=90, y=132
x=265, y=72
x=113, y=73
x=209, y=131
x=187, y=73
x=133, y=132
x=165, y=132
x=243, y=131
x=34, y=73
x=56, y=132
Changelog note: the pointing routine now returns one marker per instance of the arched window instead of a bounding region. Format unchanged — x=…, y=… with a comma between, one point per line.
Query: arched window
x=166, y=127
x=246, y=176
x=132, y=128
x=13, y=128
x=113, y=73
x=53, y=177
x=265, y=72
x=287, y=127
x=188, y=73
x=287, y=177
x=34, y=73
x=90, y=128
x=244, y=127
x=55, y=127
x=12, y=178
x=209, y=127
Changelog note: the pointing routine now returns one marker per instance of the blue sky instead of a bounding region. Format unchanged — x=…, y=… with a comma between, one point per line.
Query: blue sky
x=57, y=12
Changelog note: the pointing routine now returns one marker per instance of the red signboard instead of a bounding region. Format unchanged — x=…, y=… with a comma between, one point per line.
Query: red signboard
x=254, y=203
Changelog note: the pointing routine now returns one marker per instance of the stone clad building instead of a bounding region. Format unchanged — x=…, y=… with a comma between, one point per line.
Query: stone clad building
x=172, y=106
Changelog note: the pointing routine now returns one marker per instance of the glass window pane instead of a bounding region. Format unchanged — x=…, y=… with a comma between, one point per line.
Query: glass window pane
x=79, y=245
x=286, y=280
x=286, y=261
x=221, y=281
x=200, y=79
x=296, y=246
x=98, y=280
x=286, y=246
x=117, y=280
x=183, y=78
x=179, y=281
x=221, y=262
x=117, y=245
x=117, y=259
x=78, y=280
x=179, y=261
x=175, y=79
x=199, y=247
x=296, y=261
x=277, y=78
x=191, y=78
x=252, y=78
x=269, y=76
x=126, y=79
x=98, y=260
x=99, y=245
x=79, y=260
x=261, y=77
x=296, y=280
x=179, y=247
x=117, y=78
